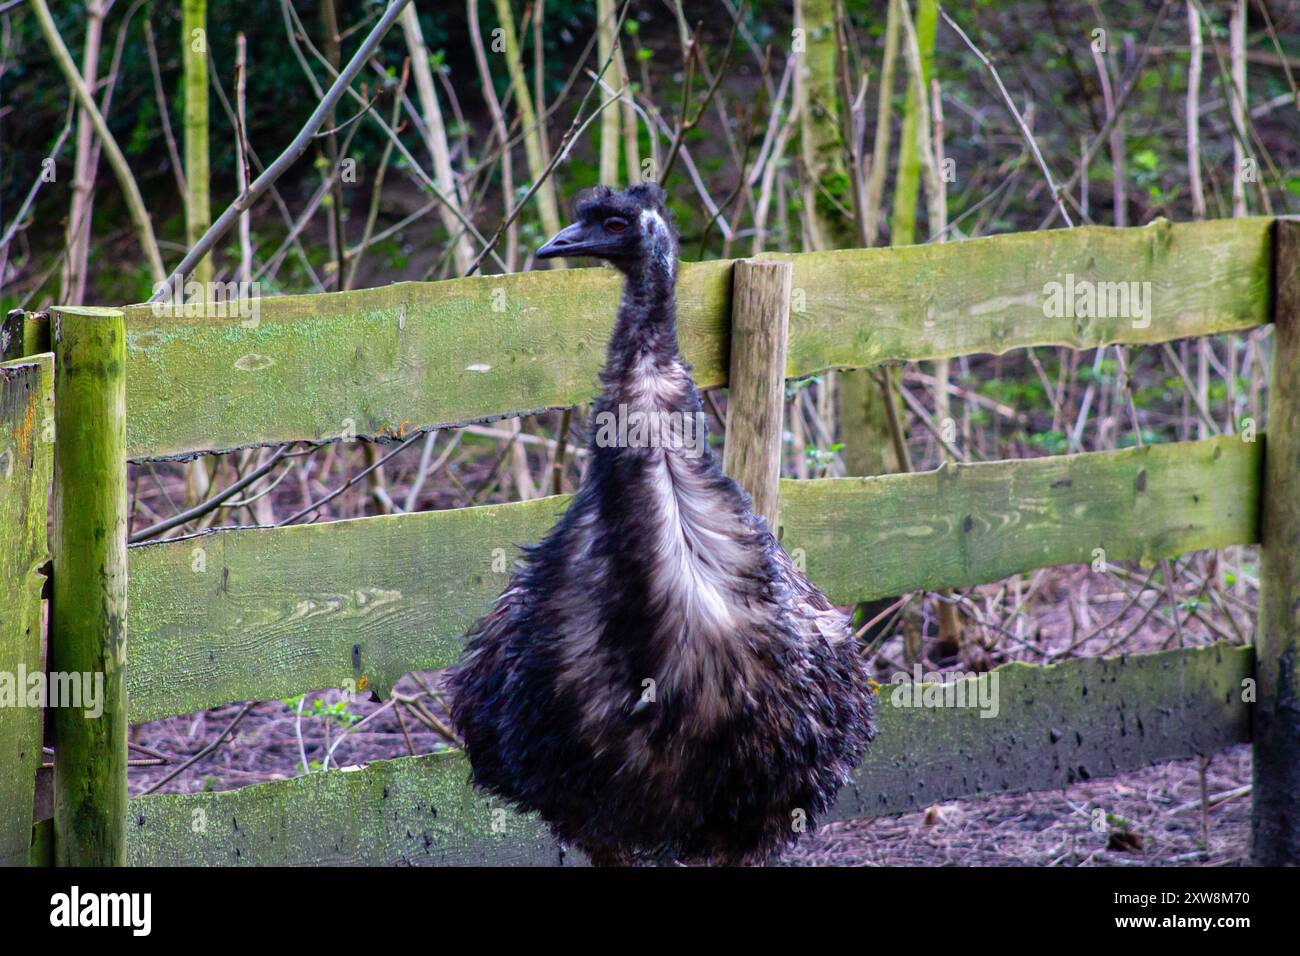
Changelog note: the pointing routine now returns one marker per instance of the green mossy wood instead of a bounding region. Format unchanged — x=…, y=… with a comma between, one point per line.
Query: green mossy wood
x=315, y=367
x=261, y=614
x=88, y=608
x=867, y=306
x=257, y=615
x=416, y=811
x=26, y=463
x=959, y=525
x=1056, y=725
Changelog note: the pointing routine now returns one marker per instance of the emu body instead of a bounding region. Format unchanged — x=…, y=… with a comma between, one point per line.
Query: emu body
x=658, y=679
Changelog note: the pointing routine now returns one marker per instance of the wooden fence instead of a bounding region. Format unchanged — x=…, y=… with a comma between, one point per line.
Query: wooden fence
x=274, y=612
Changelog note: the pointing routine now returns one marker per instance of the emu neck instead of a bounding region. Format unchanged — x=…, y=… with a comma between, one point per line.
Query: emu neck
x=644, y=367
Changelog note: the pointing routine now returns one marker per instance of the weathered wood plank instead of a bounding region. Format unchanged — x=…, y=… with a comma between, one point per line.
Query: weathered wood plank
x=260, y=614
x=416, y=811
x=864, y=538
x=866, y=306
x=313, y=367
x=427, y=354
x=26, y=464
x=1055, y=725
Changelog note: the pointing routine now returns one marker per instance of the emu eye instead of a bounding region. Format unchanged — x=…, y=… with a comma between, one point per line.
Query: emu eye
x=615, y=224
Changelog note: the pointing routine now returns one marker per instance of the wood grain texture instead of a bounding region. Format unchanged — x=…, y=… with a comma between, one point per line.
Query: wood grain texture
x=413, y=354
x=279, y=611
x=1275, y=812
x=26, y=464
x=1081, y=719
x=866, y=306
x=959, y=525
x=429, y=354
x=760, y=320
x=262, y=614
x=88, y=604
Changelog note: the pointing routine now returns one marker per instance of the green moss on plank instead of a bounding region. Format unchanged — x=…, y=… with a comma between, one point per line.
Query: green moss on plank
x=26, y=464
x=240, y=615
x=864, y=538
x=421, y=354
x=416, y=811
x=865, y=306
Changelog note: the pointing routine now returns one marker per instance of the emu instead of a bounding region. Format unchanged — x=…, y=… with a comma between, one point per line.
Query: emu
x=658, y=681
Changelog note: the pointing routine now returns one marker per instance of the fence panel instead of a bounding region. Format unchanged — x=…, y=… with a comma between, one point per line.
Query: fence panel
x=265, y=613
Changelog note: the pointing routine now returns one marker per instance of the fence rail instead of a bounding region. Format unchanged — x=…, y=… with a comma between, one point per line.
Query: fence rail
x=315, y=367
x=265, y=613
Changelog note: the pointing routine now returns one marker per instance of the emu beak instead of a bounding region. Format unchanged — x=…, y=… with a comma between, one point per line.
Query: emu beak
x=572, y=240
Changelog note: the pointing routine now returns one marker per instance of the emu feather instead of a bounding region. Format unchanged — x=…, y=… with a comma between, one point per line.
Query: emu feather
x=658, y=679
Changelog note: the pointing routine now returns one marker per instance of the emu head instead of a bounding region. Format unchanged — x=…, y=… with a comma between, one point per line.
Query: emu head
x=631, y=229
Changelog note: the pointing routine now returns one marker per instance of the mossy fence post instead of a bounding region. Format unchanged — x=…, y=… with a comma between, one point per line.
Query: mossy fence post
x=1275, y=814
x=760, y=332
x=88, y=606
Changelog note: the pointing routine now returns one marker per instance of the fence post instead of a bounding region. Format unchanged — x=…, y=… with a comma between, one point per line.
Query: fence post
x=760, y=328
x=1275, y=813
x=88, y=607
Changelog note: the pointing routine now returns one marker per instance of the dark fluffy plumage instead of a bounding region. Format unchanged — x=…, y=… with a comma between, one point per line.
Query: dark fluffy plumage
x=658, y=679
